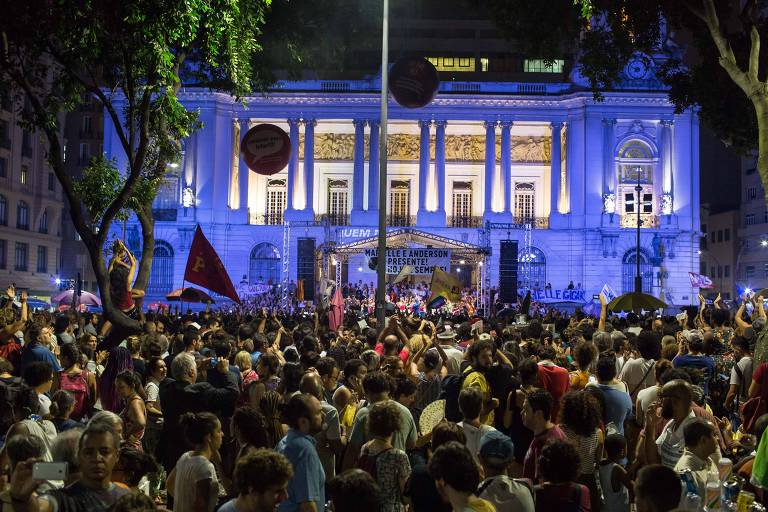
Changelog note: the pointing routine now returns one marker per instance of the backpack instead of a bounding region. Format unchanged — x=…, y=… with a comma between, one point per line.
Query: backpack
x=10, y=389
x=367, y=462
x=450, y=387
x=78, y=386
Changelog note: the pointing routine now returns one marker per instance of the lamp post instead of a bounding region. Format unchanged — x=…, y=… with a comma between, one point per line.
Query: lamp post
x=381, y=268
x=638, y=277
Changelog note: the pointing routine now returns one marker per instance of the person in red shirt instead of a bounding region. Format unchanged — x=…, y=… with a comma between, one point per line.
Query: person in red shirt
x=390, y=339
x=537, y=409
x=553, y=378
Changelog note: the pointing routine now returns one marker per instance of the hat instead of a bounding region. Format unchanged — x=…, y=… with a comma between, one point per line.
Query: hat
x=693, y=334
x=447, y=334
x=484, y=337
x=195, y=325
x=495, y=445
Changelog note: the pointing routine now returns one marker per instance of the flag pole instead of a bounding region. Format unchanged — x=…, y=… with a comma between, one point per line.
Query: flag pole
x=381, y=269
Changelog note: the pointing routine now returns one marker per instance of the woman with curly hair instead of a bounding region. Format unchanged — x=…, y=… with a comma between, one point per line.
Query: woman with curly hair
x=559, y=465
x=388, y=465
x=580, y=422
x=584, y=355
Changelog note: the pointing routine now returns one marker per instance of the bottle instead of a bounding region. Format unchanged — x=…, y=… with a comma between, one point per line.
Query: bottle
x=692, y=502
x=724, y=468
x=712, y=492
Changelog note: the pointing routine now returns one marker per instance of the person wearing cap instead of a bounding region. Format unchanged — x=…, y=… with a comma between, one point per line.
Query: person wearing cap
x=447, y=340
x=507, y=494
x=689, y=355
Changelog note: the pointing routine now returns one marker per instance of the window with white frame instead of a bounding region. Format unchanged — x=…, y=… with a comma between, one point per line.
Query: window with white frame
x=542, y=66
x=400, y=202
x=338, y=201
x=462, y=202
x=276, y=201
x=524, y=201
x=636, y=162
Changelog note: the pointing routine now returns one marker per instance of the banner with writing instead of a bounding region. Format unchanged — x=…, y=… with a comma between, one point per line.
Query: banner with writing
x=423, y=260
x=700, y=280
x=548, y=296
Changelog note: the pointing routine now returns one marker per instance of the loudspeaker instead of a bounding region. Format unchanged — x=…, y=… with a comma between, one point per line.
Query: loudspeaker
x=305, y=266
x=508, y=271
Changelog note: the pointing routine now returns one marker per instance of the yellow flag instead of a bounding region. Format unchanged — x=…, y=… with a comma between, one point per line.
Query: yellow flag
x=445, y=285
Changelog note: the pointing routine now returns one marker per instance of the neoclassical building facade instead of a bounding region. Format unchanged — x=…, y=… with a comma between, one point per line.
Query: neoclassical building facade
x=544, y=164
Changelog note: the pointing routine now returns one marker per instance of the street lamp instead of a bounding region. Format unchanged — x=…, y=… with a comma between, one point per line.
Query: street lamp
x=381, y=277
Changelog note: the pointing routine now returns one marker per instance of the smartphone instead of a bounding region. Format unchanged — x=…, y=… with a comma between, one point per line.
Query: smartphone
x=214, y=362
x=49, y=471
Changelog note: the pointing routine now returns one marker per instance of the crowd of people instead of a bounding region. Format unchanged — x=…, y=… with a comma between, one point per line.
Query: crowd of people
x=447, y=410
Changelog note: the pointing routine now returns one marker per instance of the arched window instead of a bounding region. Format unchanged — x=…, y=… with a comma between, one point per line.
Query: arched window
x=161, y=275
x=629, y=270
x=636, y=162
x=264, y=266
x=22, y=215
x=532, y=269
x=43, y=226
x=3, y=210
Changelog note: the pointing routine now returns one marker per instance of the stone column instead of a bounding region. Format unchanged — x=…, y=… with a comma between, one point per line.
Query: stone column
x=309, y=165
x=609, y=167
x=293, y=163
x=244, y=171
x=506, y=164
x=373, y=166
x=440, y=164
x=490, y=164
x=555, y=167
x=423, y=164
x=667, y=184
x=358, y=177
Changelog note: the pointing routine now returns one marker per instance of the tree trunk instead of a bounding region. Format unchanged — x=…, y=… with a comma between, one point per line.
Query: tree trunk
x=761, y=108
x=147, y=222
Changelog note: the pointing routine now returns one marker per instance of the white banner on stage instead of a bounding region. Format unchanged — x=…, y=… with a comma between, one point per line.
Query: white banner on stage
x=424, y=261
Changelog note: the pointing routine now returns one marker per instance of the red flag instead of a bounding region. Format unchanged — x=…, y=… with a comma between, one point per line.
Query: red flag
x=206, y=269
x=336, y=313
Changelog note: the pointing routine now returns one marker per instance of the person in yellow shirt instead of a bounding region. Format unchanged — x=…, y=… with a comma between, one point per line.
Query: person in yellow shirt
x=481, y=358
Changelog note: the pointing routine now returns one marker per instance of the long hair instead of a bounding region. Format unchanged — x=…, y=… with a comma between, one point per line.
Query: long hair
x=119, y=360
x=270, y=407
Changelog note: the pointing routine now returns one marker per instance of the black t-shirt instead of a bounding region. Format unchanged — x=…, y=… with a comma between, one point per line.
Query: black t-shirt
x=421, y=489
x=78, y=498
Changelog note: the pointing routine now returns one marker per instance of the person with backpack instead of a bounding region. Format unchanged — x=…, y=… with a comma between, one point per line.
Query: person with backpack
x=389, y=466
x=507, y=494
x=81, y=383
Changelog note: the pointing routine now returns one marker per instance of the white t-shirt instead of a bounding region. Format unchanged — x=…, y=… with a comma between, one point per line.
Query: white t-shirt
x=473, y=435
x=191, y=469
x=455, y=357
x=633, y=372
x=646, y=397
x=671, y=442
x=745, y=365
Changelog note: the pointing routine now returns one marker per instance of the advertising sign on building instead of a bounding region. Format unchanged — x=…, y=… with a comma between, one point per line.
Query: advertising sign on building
x=423, y=260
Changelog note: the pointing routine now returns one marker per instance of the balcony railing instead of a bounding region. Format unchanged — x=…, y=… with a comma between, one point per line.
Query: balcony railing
x=336, y=219
x=536, y=222
x=401, y=220
x=272, y=219
x=465, y=222
x=647, y=220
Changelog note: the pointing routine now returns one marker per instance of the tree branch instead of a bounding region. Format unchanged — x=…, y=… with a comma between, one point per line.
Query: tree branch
x=727, y=58
x=754, y=54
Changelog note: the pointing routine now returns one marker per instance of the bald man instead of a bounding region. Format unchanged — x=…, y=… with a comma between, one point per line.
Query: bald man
x=675, y=400
x=329, y=441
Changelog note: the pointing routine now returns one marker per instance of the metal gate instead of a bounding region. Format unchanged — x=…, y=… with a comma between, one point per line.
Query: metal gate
x=629, y=268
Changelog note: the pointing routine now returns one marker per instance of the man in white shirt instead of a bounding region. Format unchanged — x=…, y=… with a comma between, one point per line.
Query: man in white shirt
x=741, y=373
x=638, y=373
x=700, y=446
x=447, y=340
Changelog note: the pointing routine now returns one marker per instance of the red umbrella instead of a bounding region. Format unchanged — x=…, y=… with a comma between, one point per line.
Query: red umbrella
x=189, y=295
x=336, y=313
x=86, y=298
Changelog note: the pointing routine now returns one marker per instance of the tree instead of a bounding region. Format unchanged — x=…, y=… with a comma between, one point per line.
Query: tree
x=723, y=72
x=130, y=57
